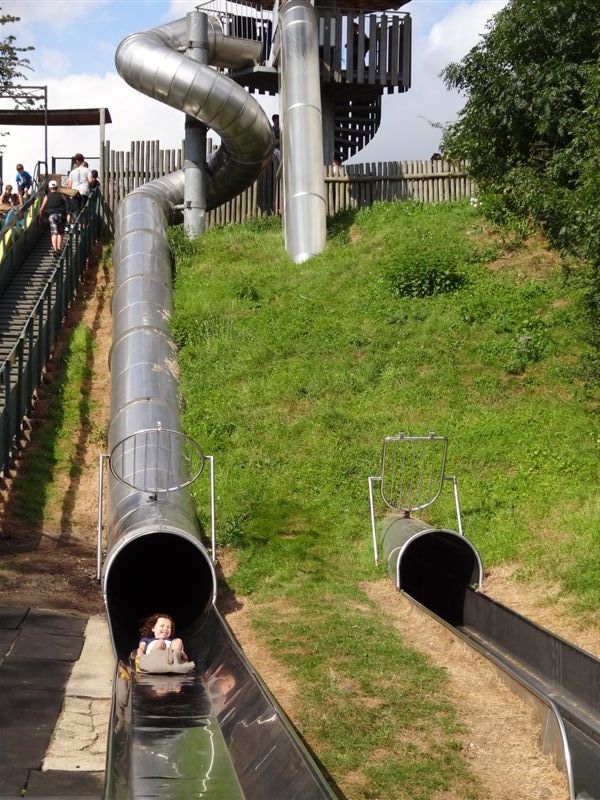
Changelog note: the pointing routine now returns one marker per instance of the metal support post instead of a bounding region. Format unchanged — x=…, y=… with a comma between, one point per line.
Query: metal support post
x=213, y=534
x=456, y=501
x=194, y=193
x=372, y=479
x=102, y=459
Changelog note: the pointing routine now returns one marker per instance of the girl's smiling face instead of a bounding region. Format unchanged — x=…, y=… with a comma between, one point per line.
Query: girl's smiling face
x=162, y=628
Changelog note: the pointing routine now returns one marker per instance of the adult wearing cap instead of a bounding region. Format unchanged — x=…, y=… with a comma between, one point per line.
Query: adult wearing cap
x=79, y=179
x=55, y=204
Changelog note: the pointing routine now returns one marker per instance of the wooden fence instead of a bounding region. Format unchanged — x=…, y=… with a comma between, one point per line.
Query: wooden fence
x=347, y=187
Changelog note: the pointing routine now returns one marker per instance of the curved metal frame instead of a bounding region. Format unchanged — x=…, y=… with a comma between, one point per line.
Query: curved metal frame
x=150, y=459
x=430, y=484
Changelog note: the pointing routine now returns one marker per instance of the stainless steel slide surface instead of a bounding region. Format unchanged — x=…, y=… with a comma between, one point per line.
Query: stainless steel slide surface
x=438, y=569
x=562, y=680
x=304, y=209
x=551, y=667
x=216, y=732
x=152, y=63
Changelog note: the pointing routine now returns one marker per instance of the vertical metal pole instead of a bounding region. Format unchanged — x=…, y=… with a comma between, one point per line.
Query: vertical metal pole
x=194, y=166
x=373, y=523
x=213, y=534
x=103, y=456
x=102, y=122
x=46, y=128
x=457, y=504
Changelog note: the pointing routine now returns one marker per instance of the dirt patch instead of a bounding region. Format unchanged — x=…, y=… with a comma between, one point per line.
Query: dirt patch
x=52, y=564
x=535, y=258
x=502, y=732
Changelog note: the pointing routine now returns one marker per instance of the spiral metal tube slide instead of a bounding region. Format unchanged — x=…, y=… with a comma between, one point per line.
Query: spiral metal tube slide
x=155, y=557
x=151, y=63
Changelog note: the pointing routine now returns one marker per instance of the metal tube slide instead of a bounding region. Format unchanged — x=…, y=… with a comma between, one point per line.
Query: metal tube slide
x=151, y=63
x=304, y=207
x=143, y=519
x=435, y=566
x=155, y=556
x=216, y=732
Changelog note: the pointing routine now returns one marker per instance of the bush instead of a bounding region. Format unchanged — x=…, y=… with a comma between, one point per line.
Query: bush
x=530, y=346
x=424, y=256
x=425, y=272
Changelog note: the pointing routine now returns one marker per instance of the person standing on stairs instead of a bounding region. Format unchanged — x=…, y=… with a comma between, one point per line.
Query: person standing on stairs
x=55, y=204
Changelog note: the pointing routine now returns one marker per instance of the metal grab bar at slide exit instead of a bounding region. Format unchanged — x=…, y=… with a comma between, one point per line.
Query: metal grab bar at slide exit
x=169, y=460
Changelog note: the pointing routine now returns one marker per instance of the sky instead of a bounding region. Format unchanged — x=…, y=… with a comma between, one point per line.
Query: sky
x=75, y=44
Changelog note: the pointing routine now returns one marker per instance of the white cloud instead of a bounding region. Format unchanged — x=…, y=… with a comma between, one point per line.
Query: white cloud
x=452, y=37
x=405, y=132
x=56, y=16
x=54, y=63
x=135, y=117
x=179, y=8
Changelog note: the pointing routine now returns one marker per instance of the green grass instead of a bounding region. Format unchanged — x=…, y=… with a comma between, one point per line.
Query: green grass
x=414, y=319
x=57, y=441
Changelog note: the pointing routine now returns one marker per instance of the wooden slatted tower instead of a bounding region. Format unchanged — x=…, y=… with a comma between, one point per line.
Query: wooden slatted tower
x=364, y=51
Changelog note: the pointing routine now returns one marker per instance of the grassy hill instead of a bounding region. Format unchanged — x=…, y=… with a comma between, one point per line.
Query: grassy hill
x=293, y=374
x=414, y=319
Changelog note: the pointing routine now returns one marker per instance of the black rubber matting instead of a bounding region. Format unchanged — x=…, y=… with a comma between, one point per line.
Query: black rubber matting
x=39, y=649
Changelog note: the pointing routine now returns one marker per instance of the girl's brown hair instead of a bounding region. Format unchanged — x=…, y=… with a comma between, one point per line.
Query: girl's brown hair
x=150, y=622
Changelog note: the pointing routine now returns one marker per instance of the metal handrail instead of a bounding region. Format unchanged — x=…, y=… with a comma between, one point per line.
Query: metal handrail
x=21, y=371
x=239, y=18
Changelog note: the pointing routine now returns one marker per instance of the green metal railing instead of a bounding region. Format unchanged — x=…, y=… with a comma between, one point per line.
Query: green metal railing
x=18, y=238
x=21, y=371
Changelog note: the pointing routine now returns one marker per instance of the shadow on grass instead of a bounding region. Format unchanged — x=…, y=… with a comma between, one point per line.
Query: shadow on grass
x=228, y=603
x=339, y=225
x=28, y=487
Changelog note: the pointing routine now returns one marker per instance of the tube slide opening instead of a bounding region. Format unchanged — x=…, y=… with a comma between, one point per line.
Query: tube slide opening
x=435, y=568
x=156, y=572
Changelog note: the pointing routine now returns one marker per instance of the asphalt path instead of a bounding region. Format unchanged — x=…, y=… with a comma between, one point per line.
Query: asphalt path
x=56, y=671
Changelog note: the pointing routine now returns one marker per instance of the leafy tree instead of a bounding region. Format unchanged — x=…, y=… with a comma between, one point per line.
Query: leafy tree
x=524, y=81
x=584, y=220
x=12, y=62
x=530, y=127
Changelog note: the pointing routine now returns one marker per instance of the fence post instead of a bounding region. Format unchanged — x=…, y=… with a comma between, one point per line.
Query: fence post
x=351, y=187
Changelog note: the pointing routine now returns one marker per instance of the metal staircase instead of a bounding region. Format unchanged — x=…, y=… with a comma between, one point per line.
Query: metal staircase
x=357, y=118
x=36, y=290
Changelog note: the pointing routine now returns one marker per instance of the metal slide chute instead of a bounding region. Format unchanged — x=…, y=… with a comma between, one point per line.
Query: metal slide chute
x=151, y=63
x=216, y=733
x=304, y=206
